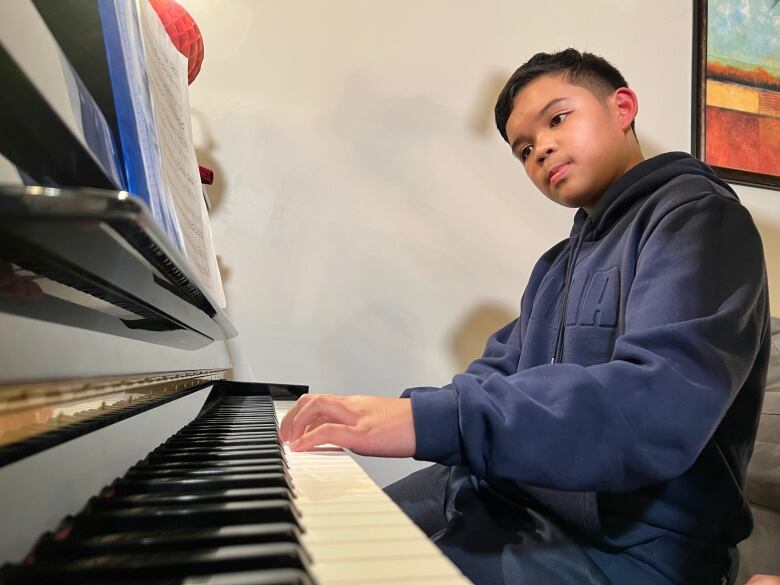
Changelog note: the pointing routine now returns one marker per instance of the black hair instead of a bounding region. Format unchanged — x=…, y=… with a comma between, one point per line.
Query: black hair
x=584, y=69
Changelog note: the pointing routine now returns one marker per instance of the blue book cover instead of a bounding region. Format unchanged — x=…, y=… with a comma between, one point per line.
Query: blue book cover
x=135, y=116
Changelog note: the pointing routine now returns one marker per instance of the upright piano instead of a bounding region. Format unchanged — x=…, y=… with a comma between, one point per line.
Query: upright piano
x=127, y=456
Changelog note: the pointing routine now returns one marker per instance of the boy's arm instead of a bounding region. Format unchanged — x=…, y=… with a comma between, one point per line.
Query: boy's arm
x=382, y=426
x=694, y=323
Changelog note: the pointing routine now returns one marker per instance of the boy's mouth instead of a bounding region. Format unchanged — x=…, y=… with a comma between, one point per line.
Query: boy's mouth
x=557, y=173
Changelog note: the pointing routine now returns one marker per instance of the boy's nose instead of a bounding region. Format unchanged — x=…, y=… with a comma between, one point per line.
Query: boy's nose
x=543, y=153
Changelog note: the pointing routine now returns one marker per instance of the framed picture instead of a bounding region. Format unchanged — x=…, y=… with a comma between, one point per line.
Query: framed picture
x=736, y=93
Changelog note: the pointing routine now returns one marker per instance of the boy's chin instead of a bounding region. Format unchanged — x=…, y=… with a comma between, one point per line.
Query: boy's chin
x=573, y=201
x=570, y=196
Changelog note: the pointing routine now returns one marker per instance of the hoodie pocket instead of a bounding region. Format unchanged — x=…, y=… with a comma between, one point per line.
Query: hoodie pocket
x=592, y=316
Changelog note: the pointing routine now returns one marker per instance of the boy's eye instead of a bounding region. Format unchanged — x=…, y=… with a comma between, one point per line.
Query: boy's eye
x=526, y=152
x=558, y=119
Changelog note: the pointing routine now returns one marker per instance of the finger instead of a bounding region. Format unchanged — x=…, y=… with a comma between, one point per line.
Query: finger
x=333, y=433
x=284, y=427
x=323, y=407
x=314, y=425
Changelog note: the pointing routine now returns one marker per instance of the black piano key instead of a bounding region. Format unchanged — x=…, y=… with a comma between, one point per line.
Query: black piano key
x=159, y=565
x=230, y=429
x=217, y=463
x=216, y=443
x=217, y=437
x=217, y=433
x=266, y=421
x=233, y=468
x=199, y=484
x=195, y=516
x=190, y=512
x=146, y=466
x=110, y=501
x=266, y=425
x=235, y=417
x=187, y=448
x=269, y=577
x=266, y=428
x=239, y=413
x=251, y=454
x=64, y=545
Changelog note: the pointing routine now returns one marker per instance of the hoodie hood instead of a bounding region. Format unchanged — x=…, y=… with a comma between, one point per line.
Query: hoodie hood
x=639, y=182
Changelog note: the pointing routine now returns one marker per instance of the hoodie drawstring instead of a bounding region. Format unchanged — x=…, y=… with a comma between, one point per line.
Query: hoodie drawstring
x=575, y=251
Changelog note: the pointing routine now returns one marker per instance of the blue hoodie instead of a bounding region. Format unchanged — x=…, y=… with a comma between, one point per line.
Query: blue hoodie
x=625, y=398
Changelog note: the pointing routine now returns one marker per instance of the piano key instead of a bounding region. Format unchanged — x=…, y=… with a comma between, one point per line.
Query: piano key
x=219, y=437
x=256, y=426
x=195, y=516
x=269, y=577
x=52, y=545
x=196, y=500
x=392, y=570
x=146, y=465
x=254, y=454
x=111, y=502
x=237, y=481
x=186, y=448
x=224, y=468
x=355, y=533
x=170, y=564
x=196, y=441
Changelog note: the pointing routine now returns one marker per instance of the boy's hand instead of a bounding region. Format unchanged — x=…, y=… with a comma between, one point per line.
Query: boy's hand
x=764, y=580
x=367, y=425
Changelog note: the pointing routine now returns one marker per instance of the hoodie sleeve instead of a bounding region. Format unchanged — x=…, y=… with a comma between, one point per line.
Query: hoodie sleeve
x=694, y=320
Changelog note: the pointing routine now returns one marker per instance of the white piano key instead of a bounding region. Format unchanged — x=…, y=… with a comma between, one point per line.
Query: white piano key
x=384, y=532
x=399, y=549
x=353, y=530
x=379, y=580
x=388, y=569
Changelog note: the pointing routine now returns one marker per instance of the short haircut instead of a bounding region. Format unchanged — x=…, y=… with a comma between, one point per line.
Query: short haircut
x=587, y=70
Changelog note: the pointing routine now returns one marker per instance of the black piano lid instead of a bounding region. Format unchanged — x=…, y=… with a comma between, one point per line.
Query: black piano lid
x=116, y=270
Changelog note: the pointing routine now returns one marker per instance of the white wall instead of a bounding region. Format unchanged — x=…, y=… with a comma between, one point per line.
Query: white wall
x=372, y=225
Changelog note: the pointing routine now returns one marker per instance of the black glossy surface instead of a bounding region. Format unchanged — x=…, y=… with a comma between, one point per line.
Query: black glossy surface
x=106, y=266
x=228, y=529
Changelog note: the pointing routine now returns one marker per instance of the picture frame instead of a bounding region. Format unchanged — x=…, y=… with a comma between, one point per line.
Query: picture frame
x=736, y=90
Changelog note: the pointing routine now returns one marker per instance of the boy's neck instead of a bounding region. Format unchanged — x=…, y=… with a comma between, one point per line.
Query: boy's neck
x=635, y=157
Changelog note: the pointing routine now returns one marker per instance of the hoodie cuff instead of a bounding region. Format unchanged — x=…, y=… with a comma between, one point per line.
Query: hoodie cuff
x=436, y=428
x=408, y=392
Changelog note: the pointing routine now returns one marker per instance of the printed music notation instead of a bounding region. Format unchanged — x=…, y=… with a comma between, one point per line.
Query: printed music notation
x=167, y=76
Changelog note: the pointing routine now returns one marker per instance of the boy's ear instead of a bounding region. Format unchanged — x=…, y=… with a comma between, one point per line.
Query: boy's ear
x=627, y=107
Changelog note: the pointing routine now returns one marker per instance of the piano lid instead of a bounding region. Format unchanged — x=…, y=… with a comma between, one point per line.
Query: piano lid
x=97, y=260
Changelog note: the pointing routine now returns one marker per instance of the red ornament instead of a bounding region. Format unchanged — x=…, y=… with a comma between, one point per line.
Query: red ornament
x=184, y=33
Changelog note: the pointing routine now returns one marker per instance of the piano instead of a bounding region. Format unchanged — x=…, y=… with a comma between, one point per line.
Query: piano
x=126, y=456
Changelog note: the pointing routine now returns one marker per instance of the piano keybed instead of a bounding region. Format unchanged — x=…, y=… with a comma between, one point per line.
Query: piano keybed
x=223, y=502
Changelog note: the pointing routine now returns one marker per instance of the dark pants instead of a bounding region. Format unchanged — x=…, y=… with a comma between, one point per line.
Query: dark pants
x=491, y=540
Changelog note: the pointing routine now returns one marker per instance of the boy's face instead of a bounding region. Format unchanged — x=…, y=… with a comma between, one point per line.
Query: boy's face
x=571, y=143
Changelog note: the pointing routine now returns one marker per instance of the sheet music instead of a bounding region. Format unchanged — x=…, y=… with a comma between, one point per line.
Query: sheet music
x=167, y=75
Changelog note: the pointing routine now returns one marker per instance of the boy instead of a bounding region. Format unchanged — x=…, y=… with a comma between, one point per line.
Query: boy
x=603, y=436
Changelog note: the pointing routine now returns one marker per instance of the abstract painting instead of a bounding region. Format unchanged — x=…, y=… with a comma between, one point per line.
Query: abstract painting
x=736, y=117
